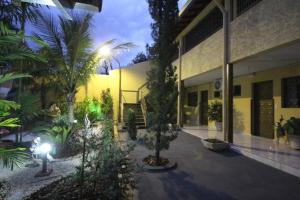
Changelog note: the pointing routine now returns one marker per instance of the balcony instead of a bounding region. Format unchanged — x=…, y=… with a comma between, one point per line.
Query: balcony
x=266, y=26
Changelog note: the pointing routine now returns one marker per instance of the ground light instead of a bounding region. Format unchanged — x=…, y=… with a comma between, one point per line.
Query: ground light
x=43, y=150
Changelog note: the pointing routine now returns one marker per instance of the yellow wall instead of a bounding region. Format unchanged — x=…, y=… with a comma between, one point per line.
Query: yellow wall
x=132, y=78
x=242, y=104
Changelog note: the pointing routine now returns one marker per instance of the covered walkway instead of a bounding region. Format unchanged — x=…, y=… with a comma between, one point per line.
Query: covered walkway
x=264, y=150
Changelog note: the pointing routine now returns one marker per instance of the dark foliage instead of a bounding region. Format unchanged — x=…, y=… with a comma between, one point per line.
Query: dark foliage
x=140, y=57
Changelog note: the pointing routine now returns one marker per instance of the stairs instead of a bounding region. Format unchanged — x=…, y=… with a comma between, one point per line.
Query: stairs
x=140, y=122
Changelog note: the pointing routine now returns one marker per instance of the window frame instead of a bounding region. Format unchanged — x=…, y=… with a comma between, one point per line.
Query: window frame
x=283, y=92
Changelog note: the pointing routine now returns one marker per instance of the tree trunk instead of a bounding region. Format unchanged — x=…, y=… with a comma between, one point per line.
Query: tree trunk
x=43, y=95
x=157, y=147
x=70, y=100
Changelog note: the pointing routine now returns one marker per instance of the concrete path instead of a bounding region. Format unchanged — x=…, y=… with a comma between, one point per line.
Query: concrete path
x=206, y=175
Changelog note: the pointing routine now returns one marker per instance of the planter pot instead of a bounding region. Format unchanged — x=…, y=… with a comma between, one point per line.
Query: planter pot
x=215, y=145
x=218, y=126
x=295, y=141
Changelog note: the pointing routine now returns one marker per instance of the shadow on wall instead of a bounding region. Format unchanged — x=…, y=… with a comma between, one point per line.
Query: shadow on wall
x=238, y=121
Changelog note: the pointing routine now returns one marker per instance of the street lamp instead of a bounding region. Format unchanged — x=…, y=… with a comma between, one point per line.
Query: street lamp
x=44, y=150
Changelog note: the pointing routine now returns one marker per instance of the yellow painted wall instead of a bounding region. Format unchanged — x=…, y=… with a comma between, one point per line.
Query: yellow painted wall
x=132, y=78
x=242, y=104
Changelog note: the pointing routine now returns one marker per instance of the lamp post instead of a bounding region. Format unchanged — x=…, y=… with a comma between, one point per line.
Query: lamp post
x=44, y=149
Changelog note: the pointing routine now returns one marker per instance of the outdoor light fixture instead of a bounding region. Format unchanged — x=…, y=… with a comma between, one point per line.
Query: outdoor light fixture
x=44, y=150
x=105, y=51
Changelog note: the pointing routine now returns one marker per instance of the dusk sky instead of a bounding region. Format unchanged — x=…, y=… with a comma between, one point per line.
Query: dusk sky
x=125, y=21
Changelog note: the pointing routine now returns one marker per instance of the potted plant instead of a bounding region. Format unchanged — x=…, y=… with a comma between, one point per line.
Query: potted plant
x=215, y=114
x=292, y=129
x=281, y=136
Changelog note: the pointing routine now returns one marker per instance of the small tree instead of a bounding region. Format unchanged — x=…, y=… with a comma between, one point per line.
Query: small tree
x=132, y=131
x=162, y=78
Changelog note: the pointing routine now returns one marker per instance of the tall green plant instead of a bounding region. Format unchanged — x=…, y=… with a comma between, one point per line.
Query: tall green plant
x=162, y=78
x=10, y=156
x=71, y=51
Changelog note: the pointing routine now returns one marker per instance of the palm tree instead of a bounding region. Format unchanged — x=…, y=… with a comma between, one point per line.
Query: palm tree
x=71, y=50
x=10, y=156
x=12, y=49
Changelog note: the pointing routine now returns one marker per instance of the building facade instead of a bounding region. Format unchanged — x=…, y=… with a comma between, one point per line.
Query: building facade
x=264, y=51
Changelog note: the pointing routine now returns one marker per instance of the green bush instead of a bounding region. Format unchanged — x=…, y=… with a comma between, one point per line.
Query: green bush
x=106, y=171
x=92, y=107
x=107, y=103
x=292, y=126
x=215, y=111
x=132, y=131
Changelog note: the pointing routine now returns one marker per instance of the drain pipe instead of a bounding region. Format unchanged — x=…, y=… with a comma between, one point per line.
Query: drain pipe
x=227, y=72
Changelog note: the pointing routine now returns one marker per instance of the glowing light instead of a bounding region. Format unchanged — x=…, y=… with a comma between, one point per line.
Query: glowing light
x=105, y=51
x=45, y=148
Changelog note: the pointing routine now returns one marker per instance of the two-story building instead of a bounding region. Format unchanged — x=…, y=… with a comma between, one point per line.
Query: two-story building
x=264, y=49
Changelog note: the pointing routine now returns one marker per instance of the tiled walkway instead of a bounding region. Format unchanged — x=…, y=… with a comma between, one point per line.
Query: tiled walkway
x=280, y=156
x=205, y=175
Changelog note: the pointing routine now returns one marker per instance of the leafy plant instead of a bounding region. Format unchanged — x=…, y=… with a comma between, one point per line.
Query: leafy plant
x=107, y=103
x=72, y=52
x=58, y=132
x=10, y=156
x=106, y=171
x=132, y=124
x=91, y=107
x=292, y=126
x=215, y=111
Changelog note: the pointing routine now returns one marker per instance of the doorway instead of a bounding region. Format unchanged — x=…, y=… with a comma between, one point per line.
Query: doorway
x=204, y=108
x=263, y=109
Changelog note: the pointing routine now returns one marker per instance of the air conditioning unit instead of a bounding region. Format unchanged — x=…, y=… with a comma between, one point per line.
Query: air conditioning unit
x=218, y=85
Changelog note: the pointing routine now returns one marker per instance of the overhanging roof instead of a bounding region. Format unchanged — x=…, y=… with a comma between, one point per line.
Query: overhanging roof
x=95, y=5
x=189, y=11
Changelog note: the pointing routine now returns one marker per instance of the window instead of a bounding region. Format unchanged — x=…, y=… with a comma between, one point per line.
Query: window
x=192, y=99
x=291, y=92
x=237, y=90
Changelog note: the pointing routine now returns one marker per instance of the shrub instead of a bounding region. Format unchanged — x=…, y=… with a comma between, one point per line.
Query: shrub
x=106, y=171
x=215, y=111
x=132, y=131
x=107, y=103
x=92, y=107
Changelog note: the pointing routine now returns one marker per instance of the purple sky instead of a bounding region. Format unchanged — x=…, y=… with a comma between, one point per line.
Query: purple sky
x=125, y=21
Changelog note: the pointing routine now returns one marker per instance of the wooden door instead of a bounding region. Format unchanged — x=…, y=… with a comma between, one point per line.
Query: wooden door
x=204, y=108
x=263, y=109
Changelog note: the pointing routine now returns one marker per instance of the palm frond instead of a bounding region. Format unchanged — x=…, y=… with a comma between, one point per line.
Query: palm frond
x=8, y=77
x=10, y=123
x=13, y=156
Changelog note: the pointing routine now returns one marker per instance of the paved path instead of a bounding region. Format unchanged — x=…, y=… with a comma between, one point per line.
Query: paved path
x=206, y=175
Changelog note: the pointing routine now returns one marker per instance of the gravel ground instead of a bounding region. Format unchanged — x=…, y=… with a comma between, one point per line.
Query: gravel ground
x=23, y=182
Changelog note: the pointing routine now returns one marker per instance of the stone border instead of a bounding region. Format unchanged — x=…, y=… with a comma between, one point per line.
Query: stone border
x=170, y=166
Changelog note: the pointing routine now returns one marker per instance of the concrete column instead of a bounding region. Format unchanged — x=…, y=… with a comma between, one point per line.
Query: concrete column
x=227, y=72
x=179, y=107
